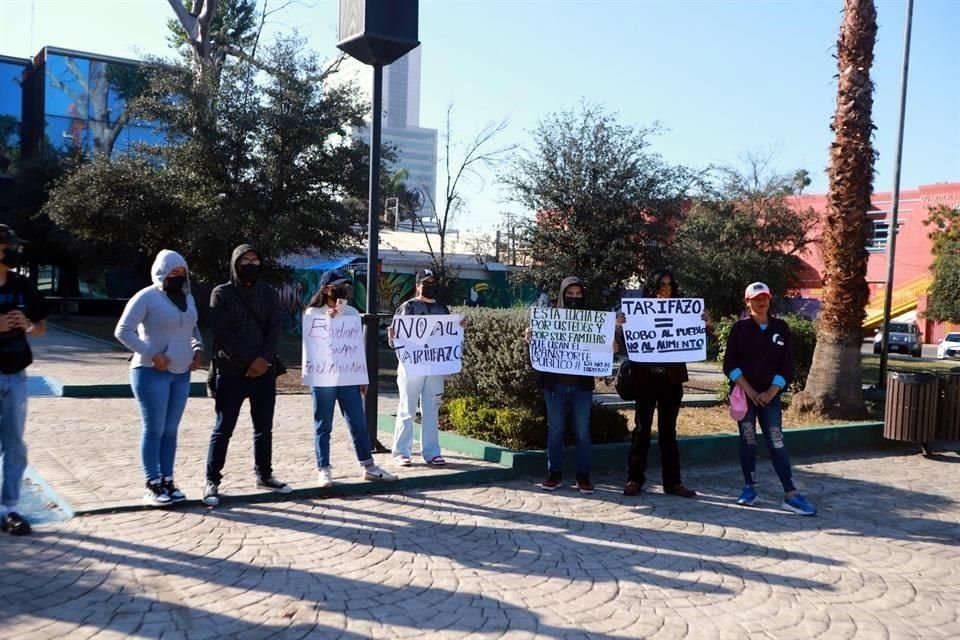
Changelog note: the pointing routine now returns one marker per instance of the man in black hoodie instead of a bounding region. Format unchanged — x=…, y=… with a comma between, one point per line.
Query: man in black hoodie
x=568, y=397
x=246, y=319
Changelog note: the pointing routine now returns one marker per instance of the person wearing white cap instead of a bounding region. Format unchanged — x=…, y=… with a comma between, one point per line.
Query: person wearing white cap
x=759, y=360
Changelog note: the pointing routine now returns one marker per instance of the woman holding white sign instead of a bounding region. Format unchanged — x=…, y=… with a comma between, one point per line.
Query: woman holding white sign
x=759, y=357
x=658, y=387
x=331, y=301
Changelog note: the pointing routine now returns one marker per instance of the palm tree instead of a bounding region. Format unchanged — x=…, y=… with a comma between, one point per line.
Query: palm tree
x=834, y=385
x=800, y=181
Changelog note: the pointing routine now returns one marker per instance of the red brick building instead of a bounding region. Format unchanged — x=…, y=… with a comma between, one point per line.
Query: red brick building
x=914, y=255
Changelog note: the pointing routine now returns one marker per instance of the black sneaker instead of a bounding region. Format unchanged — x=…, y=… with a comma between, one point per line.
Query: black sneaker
x=14, y=524
x=273, y=484
x=156, y=495
x=175, y=494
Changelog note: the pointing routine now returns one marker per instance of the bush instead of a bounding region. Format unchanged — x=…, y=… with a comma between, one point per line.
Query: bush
x=520, y=428
x=496, y=361
x=804, y=332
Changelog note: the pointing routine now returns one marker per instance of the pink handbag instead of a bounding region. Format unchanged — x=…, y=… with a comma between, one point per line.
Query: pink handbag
x=738, y=403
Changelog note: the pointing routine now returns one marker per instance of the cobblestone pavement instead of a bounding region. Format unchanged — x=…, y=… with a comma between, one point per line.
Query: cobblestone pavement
x=881, y=561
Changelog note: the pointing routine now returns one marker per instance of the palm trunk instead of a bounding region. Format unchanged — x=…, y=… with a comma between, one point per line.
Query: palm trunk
x=834, y=385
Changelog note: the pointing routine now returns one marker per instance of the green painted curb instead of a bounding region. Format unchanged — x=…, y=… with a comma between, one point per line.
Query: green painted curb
x=470, y=476
x=197, y=390
x=696, y=450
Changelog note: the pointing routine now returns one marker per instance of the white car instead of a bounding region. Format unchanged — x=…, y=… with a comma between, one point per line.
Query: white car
x=949, y=347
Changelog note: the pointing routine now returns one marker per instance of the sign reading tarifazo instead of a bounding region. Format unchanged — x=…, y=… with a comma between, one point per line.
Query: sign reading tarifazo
x=428, y=345
x=573, y=341
x=664, y=329
x=333, y=351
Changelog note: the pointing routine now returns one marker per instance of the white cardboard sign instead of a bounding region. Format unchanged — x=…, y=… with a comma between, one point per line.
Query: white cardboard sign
x=333, y=350
x=664, y=330
x=577, y=342
x=429, y=345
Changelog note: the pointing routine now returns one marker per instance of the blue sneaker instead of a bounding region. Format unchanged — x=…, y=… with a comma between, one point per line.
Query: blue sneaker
x=748, y=496
x=799, y=505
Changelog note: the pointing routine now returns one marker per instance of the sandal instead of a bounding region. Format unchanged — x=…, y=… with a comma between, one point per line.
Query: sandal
x=436, y=461
x=402, y=461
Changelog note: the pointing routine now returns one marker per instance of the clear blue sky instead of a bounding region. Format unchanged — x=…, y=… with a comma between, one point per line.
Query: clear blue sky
x=725, y=77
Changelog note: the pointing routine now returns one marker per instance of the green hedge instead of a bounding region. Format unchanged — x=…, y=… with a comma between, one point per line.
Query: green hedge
x=804, y=332
x=496, y=396
x=524, y=429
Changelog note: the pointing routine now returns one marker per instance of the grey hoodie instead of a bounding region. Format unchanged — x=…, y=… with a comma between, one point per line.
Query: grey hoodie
x=151, y=323
x=246, y=320
x=550, y=379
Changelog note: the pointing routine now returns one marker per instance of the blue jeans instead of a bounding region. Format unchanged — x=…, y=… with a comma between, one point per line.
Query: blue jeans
x=568, y=403
x=162, y=397
x=351, y=406
x=771, y=422
x=231, y=390
x=13, y=419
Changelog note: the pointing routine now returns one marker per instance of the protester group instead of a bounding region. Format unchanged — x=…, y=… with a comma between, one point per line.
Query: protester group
x=570, y=346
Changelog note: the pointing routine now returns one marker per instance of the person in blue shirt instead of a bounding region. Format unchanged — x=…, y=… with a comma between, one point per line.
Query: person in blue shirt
x=759, y=360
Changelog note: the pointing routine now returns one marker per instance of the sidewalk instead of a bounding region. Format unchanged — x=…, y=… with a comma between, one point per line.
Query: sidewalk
x=87, y=448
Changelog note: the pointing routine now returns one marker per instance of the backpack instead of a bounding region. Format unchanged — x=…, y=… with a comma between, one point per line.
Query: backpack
x=626, y=383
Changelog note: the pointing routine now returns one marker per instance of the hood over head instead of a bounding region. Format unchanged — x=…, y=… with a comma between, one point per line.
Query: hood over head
x=567, y=282
x=239, y=251
x=166, y=262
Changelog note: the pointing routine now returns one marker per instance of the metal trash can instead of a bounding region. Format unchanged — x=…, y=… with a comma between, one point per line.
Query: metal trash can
x=910, y=413
x=948, y=424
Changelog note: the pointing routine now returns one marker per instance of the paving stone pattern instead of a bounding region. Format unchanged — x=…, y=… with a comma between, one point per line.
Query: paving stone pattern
x=881, y=561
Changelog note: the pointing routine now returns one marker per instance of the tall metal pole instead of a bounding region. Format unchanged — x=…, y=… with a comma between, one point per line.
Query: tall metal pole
x=895, y=208
x=371, y=319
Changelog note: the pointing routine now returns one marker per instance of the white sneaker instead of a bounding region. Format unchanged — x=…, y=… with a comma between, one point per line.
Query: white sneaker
x=211, y=494
x=156, y=495
x=325, y=478
x=376, y=472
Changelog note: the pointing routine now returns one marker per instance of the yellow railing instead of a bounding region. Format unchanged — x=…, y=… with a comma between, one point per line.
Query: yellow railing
x=903, y=299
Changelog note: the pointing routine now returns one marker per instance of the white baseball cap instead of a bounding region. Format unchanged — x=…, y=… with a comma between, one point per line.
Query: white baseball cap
x=756, y=289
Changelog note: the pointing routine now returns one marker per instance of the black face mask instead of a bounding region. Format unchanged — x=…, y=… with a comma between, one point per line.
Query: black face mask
x=11, y=259
x=248, y=273
x=174, y=283
x=572, y=303
x=429, y=291
x=342, y=292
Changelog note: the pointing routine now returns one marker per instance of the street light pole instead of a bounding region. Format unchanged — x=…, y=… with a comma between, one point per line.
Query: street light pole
x=371, y=319
x=895, y=205
x=377, y=33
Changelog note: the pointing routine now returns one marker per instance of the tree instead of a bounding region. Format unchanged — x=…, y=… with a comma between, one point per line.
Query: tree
x=834, y=385
x=604, y=205
x=259, y=158
x=943, y=302
x=801, y=180
x=745, y=232
x=461, y=165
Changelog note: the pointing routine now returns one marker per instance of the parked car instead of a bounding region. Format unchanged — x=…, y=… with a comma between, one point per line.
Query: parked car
x=949, y=347
x=904, y=338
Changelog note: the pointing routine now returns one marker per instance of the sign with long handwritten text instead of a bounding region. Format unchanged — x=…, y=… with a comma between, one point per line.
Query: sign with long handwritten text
x=428, y=345
x=577, y=342
x=333, y=351
x=665, y=329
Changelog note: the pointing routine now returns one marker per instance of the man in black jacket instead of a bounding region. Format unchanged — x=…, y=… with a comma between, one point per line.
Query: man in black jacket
x=246, y=319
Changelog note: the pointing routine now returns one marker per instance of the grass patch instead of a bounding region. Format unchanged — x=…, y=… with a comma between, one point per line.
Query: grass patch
x=870, y=366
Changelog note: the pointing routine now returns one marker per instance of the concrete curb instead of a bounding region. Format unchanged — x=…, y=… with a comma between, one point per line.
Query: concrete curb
x=197, y=390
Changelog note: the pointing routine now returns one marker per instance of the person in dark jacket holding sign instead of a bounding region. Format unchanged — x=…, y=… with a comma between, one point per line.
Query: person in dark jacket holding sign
x=246, y=319
x=569, y=399
x=22, y=313
x=658, y=387
x=759, y=360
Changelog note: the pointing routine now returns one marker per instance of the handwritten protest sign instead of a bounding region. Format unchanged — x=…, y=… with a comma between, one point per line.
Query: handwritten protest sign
x=665, y=329
x=333, y=352
x=428, y=345
x=577, y=342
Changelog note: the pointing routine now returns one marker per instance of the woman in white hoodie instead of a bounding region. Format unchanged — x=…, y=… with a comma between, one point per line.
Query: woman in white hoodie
x=159, y=324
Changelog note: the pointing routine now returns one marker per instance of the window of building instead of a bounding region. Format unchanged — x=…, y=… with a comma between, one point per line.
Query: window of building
x=879, y=234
